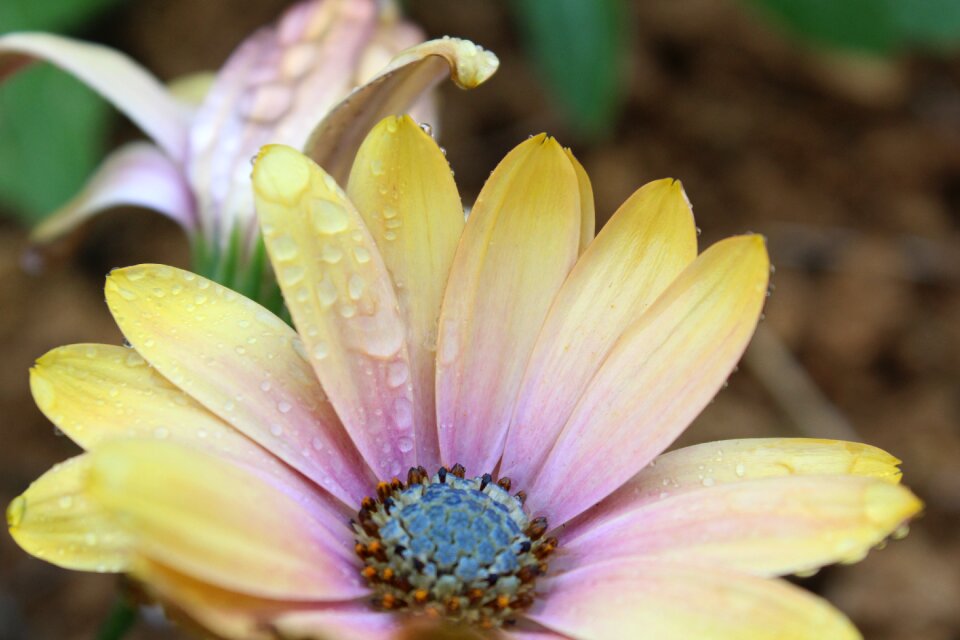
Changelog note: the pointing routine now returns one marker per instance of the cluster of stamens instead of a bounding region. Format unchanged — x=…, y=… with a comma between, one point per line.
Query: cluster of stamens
x=450, y=547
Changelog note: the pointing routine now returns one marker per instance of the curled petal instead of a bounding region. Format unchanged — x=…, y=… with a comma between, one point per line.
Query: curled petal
x=519, y=244
x=206, y=517
x=113, y=75
x=404, y=189
x=335, y=141
x=55, y=520
x=673, y=601
x=138, y=174
x=767, y=527
x=342, y=300
x=658, y=376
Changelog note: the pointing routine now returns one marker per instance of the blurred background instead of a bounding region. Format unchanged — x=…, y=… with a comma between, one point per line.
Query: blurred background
x=831, y=127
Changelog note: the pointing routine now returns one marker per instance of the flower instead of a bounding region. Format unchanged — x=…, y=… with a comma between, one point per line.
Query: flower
x=287, y=83
x=262, y=482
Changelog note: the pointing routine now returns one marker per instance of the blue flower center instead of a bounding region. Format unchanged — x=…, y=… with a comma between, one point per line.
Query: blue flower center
x=451, y=547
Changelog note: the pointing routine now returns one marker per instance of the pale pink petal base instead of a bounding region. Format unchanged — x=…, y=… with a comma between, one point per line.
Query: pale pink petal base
x=672, y=601
x=138, y=174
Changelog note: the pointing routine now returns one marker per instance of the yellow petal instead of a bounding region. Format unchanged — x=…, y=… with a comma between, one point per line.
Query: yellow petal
x=658, y=376
x=767, y=527
x=334, y=142
x=343, y=303
x=240, y=362
x=669, y=601
x=588, y=215
x=208, y=518
x=55, y=520
x=640, y=251
x=731, y=461
x=98, y=393
x=520, y=242
x=403, y=187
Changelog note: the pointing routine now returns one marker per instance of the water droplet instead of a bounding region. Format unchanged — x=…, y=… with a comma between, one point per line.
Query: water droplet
x=317, y=443
x=161, y=433
x=708, y=481
x=361, y=255
x=321, y=350
x=405, y=444
x=348, y=311
x=284, y=407
x=292, y=275
x=326, y=293
x=397, y=373
x=285, y=248
x=376, y=167
x=331, y=253
x=276, y=430
x=740, y=470
x=355, y=286
x=65, y=502
x=329, y=217
x=265, y=385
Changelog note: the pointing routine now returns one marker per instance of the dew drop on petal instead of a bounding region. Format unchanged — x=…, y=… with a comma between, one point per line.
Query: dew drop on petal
x=329, y=217
x=285, y=248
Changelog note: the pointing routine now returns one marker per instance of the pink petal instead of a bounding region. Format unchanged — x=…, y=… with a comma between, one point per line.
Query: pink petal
x=518, y=246
x=137, y=174
x=243, y=364
x=343, y=303
x=656, y=379
x=357, y=621
x=211, y=519
x=647, y=242
x=768, y=527
x=733, y=461
x=112, y=74
x=672, y=601
x=273, y=89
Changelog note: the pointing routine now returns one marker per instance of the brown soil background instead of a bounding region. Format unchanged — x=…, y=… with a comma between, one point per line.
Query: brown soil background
x=850, y=167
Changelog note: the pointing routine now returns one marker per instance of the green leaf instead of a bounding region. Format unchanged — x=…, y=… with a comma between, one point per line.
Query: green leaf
x=52, y=131
x=580, y=48
x=48, y=15
x=870, y=26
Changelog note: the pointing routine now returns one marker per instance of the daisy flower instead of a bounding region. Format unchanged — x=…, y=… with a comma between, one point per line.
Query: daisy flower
x=466, y=429
x=317, y=80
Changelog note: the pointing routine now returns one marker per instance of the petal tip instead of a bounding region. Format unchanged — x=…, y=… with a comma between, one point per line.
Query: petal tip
x=15, y=511
x=280, y=173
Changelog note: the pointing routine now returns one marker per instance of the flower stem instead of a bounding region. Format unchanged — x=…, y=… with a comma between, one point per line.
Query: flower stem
x=122, y=617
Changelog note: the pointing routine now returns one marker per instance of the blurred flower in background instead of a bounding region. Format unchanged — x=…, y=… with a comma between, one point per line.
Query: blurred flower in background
x=284, y=84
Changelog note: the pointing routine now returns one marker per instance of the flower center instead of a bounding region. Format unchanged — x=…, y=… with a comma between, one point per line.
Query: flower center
x=450, y=547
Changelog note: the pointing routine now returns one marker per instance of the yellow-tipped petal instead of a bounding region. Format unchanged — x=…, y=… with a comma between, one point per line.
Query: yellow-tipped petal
x=658, y=376
x=334, y=142
x=643, y=248
x=98, y=393
x=733, y=461
x=343, y=303
x=588, y=214
x=672, y=601
x=55, y=520
x=208, y=518
x=242, y=363
x=519, y=244
x=767, y=527
x=403, y=187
